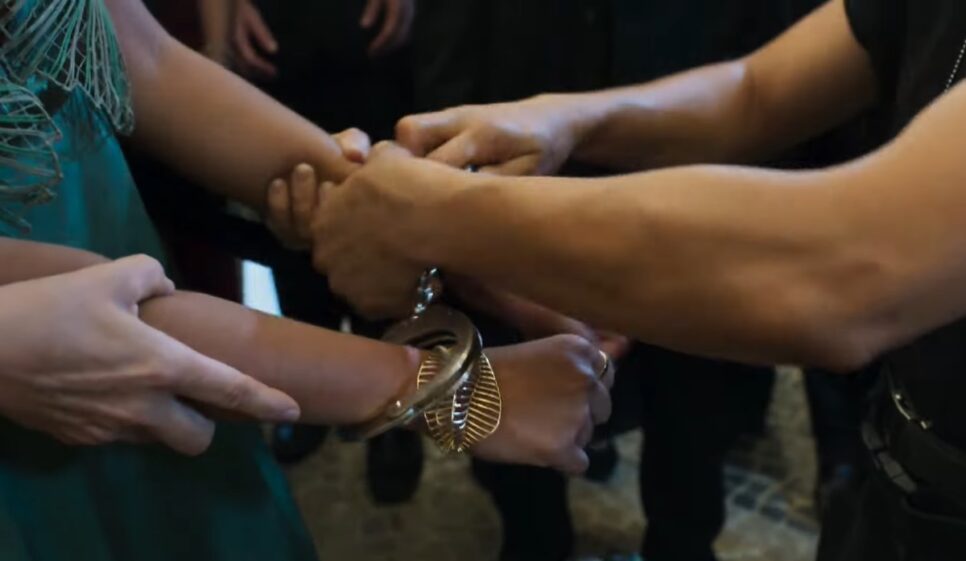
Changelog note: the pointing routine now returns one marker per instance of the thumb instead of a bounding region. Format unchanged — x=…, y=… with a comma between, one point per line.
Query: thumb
x=136, y=278
x=355, y=145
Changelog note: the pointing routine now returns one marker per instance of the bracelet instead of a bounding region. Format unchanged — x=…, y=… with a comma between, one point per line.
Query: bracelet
x=454, y=344
x=472, y=415
x=457, y=393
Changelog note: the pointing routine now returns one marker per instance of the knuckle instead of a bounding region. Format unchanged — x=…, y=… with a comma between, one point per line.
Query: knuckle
x=407, y=126
x=578, y=348
x=236, y=395
x=160, y=372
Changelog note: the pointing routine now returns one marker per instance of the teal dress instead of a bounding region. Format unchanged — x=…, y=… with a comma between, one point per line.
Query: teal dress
x=63, y=180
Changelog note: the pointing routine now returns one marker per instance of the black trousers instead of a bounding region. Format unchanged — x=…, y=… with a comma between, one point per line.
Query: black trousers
x=692, y=411
x=875, y=521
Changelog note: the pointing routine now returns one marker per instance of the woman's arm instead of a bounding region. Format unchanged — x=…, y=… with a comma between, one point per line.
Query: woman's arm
x=335, y=378
x=553, y=392
x=208, y=123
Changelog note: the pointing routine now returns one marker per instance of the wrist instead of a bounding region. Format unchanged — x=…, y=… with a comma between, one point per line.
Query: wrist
x=432, y=228
x=401, y=369
x=578, y=115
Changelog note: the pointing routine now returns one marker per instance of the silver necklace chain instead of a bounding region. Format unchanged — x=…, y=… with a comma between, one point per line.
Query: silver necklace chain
x=956, y=68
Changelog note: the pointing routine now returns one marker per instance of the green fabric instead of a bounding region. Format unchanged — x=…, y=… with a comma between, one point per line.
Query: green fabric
x=125, y=503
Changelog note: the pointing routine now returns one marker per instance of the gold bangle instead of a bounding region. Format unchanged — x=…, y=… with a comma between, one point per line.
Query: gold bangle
x=472, y=415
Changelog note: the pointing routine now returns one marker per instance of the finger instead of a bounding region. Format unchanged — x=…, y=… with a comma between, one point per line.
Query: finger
x=137, y=278
x=386, y=149
x=421, y=134
x=600, y=403
x=325, y=189
x=458, y=152
x=259, y=29
x=586, y=434
x=250, y=60
x=370, y=13
x=355, y=145
x=211, y=382
x=406, y=25
x=305, y=193
x=279, y=215
x=616, y=346
x=605, y=369
x=181, y=428
x=524, y=165
x=403, y=25
x=575, y=462
x=390, y=26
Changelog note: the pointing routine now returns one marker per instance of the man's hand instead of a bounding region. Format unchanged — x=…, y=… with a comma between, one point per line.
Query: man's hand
x=531, y=137
x=252, y=38
x=355, y=240
x=397, y=23
x=554, y=392
x=78, y=364
x=292, y=202
x=531, y=319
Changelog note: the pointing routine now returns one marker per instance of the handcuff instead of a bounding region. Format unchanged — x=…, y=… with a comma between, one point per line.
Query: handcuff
x=456, y=393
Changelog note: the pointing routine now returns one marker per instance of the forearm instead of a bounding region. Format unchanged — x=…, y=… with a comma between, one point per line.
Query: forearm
x=210, y=124
x=730, y=262
x=697, y=116
x=810, y=79
x=336, y=378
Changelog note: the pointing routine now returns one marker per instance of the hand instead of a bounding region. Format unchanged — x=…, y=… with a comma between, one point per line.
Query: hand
x=533, y=320
x=397, y=23
x=614, y=344
x=530, y=137
x=78, y=364
x=552, y=399
x=251, y=35
x=358, y=228
x=292, y=203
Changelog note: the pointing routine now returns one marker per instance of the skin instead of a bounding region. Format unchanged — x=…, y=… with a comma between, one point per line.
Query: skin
x=235, y=32
x=750, y=264
x=294, y=201
x=204, y=138
x=163, y=381
x=552, y=394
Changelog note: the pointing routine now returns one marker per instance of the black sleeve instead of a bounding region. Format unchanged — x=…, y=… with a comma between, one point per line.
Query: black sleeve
x=877, y=24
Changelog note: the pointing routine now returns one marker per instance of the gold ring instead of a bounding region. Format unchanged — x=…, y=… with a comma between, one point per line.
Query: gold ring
x=606, y=367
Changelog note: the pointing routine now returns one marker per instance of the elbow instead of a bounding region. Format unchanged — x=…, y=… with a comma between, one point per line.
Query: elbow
x=842, y=353
x=831, y=328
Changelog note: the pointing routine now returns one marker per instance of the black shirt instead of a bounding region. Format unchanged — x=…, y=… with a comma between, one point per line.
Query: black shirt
x=914, y=45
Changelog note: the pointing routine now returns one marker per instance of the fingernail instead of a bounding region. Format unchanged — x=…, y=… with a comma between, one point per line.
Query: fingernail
x=290, y=415
x=304, y=171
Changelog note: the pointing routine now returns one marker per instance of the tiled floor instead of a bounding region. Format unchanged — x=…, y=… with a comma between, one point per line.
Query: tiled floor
x=770, y=507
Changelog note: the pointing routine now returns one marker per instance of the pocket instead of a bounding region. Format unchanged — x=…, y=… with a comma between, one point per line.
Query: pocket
x=932, y=534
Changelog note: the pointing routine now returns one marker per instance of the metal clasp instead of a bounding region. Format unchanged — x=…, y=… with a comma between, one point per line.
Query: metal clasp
x=906, y=410
x=428, y=292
